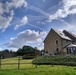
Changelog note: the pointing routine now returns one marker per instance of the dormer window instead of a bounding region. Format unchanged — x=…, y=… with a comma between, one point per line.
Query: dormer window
x=57, y=42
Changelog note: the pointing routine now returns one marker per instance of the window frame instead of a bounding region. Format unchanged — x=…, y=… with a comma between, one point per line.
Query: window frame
x=57, y=42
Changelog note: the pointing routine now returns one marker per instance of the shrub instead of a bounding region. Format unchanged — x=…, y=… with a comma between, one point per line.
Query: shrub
x=28, y=56
x=56, y=60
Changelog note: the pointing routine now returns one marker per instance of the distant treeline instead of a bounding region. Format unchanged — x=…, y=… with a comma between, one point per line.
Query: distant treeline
x=25, y=51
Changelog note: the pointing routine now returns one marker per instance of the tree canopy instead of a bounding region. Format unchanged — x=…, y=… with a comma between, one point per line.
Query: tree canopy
x=26, y=50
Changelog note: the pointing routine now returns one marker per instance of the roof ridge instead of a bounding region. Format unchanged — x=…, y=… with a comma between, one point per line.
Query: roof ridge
x=70, y=33
x=61, y=34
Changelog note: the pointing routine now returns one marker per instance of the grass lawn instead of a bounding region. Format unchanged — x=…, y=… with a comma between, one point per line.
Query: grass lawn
x=29, y=69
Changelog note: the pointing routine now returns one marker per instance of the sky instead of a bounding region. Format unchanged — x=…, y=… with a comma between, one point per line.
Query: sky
x=27, y=22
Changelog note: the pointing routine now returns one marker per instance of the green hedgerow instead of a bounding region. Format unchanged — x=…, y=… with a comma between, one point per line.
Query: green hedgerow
x=56, y=60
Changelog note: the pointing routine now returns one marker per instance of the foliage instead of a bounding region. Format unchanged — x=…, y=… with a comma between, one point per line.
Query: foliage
x=29, y=56
x=27, y=50
x=6, y=50
x=56, y=60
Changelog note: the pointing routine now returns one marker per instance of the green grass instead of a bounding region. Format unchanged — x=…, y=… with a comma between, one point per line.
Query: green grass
x=29, y=69
x=15, y=66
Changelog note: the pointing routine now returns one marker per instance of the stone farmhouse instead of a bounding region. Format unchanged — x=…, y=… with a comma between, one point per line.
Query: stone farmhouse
x=60, y=42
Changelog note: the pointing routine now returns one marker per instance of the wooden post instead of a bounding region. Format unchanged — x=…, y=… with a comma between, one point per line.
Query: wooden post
x=36, y=61
x=19, y=62
x=0, y=61
x=52, y=61
x=67, y=61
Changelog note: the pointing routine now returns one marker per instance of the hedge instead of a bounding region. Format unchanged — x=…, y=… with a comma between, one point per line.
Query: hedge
x=56, y=60
x=29, y=56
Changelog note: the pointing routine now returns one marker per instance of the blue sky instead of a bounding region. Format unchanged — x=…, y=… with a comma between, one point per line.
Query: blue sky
x=27, y=22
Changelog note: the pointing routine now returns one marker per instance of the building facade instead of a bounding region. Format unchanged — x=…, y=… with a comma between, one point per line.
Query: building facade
x=58, y=42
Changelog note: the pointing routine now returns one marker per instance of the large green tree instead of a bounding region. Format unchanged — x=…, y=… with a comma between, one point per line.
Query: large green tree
x=26, y=50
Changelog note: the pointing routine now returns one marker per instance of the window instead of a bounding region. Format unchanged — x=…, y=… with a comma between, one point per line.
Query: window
x=68, y=50
x=57, y=50
x=57, y=42
x=46, y=51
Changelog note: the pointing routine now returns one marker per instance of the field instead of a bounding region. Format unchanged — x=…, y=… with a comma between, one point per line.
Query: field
x=29, y=69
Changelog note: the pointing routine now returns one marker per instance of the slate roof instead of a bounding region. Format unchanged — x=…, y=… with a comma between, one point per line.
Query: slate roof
x=71, y=45
x=70, y=33
x=61, y=34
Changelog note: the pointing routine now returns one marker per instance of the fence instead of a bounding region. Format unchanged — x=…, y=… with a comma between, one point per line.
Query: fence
x=18, y=62
x=53, y=60
x=56, y=60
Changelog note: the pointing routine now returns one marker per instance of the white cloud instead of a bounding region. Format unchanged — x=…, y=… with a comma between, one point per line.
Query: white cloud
x=7, y=7
x=13, y=49
x=13, y=4
x=19, y=3
x=1, y=9
x=68, y=8
x=5, y=21
x=25, y=37
x=0, y=49
x=24, y=21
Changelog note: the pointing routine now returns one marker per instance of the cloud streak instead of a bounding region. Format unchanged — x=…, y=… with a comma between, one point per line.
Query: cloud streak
x=36, y=27
x=38, y=10
x=67, y=26
x=23, y=22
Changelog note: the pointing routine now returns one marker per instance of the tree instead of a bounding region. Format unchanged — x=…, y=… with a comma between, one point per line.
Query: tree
x=28, y=50
x=35, y=48
x=37, y=52
x=6, y=50
x=20, y=52
x=25, y=50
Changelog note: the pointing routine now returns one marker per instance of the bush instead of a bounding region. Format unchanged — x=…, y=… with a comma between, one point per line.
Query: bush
x=28, y=56
x=56, y=60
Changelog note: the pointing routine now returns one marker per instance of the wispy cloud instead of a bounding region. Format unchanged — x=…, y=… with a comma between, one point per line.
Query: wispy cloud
x=5, y=21
x=7, y=7
x=36, y=27
x=24, y=21
x=68, y=26
x=68, y=7
x=32, y=18
x=38, y=10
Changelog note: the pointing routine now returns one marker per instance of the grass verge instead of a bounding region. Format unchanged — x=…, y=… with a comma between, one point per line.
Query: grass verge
x=29, y=69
